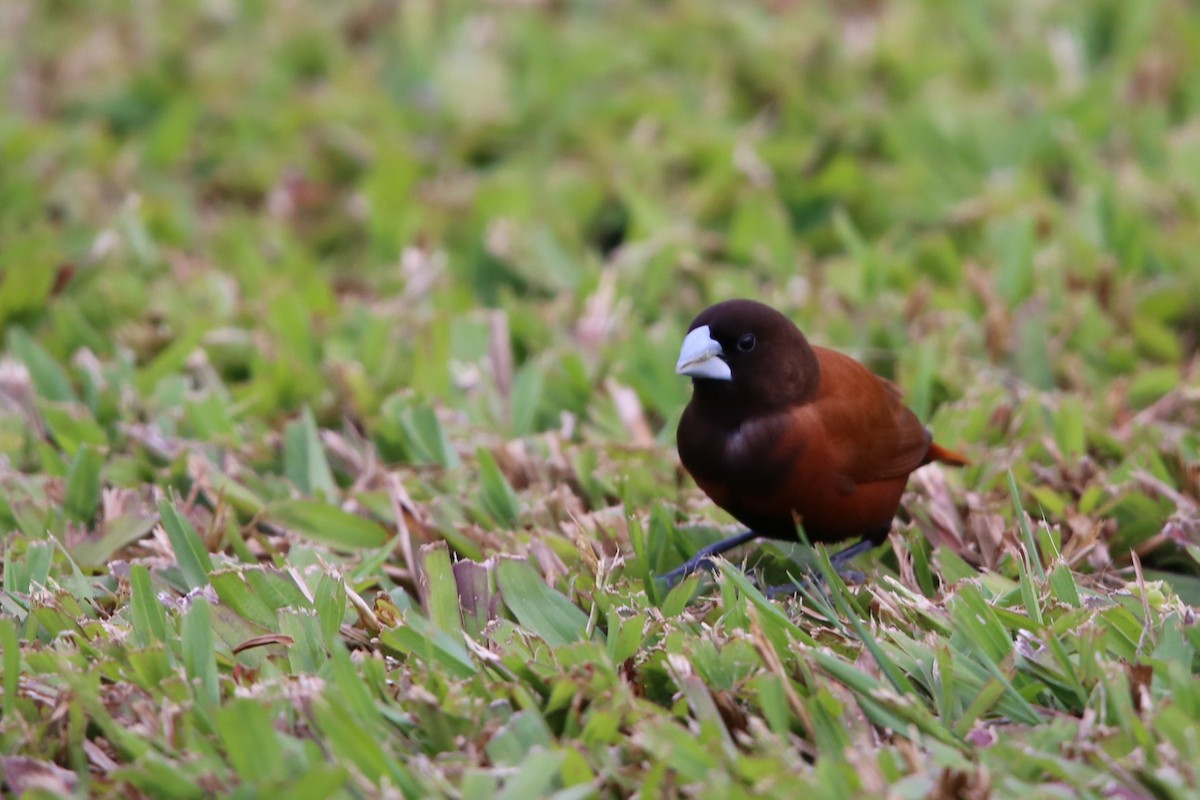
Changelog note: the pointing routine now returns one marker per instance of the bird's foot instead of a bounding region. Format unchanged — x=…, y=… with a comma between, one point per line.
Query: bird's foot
x=815, y=582
x=838, y=560
x=703, y=558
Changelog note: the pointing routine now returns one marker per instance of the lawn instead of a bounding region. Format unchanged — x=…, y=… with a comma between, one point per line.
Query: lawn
x=338, y=405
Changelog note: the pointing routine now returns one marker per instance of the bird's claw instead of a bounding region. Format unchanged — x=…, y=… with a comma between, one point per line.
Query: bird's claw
x=813, y=582
x=685, y=569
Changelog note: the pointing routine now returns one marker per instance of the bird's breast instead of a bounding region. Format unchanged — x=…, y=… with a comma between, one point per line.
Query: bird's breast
x=754, y=457
x=773, y=469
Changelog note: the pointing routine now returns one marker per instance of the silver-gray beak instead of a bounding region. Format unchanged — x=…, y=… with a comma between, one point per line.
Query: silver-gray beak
x=701, y=357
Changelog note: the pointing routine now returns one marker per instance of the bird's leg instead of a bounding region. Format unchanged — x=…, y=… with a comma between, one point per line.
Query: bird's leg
x=847, y=554
x=703, y=558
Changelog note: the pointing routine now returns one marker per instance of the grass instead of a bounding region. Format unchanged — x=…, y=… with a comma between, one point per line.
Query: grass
x=337, y=400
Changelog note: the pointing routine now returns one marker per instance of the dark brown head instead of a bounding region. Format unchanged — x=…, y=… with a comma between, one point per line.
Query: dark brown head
x=749, y=357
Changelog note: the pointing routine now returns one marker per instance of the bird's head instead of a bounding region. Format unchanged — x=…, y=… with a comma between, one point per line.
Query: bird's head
x=748, y=350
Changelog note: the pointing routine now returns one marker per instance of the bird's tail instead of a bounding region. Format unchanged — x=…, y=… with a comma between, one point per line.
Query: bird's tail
x=945, y=455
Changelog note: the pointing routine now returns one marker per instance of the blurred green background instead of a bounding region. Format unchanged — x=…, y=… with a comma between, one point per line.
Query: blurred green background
x=324, y=197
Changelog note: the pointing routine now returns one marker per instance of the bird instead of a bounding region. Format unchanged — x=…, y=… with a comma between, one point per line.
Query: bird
x=780, y=431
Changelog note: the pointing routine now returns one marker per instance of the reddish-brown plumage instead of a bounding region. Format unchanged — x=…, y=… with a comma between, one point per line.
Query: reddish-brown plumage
x=779, y=430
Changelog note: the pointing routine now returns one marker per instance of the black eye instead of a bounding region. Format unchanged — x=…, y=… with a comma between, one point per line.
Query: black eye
x=746, y=343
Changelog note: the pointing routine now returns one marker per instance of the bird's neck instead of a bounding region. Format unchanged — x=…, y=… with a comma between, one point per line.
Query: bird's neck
x=721, y=402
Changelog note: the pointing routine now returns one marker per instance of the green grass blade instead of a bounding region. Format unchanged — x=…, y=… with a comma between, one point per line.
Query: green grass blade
x=1023, y=525
x=199, y=652
x=439, y=589
x=10, y=651
x=149, y=619
x=537, y=606
x=49, y=379
x=495, y=495
x=193, y=558
x=328, y=525
x=250, y=741
x=329, y=599
x=304, y=460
